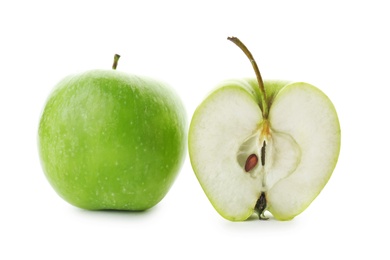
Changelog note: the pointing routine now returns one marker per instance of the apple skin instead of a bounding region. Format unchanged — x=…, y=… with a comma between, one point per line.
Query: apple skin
x=222, y=188
x=111, y=140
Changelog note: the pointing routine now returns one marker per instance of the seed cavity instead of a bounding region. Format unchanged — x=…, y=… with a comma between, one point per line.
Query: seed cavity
x=263, y=154
x=251, y=162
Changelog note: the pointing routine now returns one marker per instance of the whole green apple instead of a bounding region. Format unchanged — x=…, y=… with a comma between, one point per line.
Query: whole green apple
x=263, y=146
x=110, y=140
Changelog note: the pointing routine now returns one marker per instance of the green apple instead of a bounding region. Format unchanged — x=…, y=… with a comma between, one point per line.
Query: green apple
x=111, y=140
x=263, y=146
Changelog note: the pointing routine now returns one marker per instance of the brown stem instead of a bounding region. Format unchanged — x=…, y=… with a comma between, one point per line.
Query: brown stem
x=263, y=95
x=115, y=64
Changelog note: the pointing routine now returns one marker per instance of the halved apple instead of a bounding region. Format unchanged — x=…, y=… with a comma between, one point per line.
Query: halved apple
x=257, y=146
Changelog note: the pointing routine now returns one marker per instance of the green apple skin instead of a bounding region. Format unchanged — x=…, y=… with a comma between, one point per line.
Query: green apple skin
x=111, y=140
x=222, y=187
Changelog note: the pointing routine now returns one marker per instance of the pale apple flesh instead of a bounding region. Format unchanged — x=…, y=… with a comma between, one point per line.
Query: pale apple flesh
x=248, y=163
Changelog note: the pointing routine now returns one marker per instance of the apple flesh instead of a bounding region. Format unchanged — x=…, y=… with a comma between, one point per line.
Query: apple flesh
x=248, y=159
x=111, y=140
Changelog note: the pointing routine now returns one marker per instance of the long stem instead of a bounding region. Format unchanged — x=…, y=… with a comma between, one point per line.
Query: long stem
x=263, y=95
x=115, y=64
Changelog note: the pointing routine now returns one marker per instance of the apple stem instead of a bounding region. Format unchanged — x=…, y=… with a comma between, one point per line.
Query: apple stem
x=257, y=71
x=115, y=64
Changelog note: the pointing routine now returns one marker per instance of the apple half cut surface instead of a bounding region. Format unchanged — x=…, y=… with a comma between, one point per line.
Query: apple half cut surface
x=263, y=146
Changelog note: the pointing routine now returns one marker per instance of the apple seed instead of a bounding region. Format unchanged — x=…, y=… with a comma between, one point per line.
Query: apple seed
x=251, y=162
x=263, y=154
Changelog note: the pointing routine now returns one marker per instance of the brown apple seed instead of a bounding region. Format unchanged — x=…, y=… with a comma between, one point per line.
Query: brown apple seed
x=251, y=162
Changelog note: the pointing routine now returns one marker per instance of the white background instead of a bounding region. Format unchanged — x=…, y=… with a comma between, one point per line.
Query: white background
x=342, y=47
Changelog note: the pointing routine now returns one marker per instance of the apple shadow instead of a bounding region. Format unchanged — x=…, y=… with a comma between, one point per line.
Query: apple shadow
x=118, y=213
x=270, y=224
x=255, y=217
